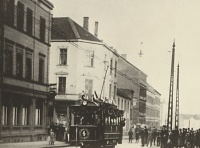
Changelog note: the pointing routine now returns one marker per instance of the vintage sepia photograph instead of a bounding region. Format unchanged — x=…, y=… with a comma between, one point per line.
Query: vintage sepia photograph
x=99, y=73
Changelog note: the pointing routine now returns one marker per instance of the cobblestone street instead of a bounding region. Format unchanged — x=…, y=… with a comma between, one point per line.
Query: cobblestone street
x=126, y=144
x=44, y=144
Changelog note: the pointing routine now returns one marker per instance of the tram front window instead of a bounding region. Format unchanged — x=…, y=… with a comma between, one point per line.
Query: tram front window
x=97, y=120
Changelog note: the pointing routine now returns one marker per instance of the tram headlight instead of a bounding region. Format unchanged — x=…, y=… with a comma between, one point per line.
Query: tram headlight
x=84, y=102
x=82, y=144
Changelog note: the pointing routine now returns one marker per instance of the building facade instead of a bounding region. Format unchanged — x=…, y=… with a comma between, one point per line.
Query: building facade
x=131, y=77
x=124, y=102
x=24, y=50
x=80, y=63
x=153, y=107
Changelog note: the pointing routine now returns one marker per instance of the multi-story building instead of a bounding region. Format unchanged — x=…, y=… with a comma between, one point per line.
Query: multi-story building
x=24, y=50
x=80, y=63
x=125, y=102
x=153, y=107
x=131, y=77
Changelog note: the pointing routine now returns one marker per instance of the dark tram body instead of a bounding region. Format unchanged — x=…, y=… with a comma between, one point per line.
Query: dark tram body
x=95, y=125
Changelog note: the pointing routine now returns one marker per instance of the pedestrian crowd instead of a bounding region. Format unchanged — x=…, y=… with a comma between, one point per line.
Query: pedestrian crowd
x=177, y=138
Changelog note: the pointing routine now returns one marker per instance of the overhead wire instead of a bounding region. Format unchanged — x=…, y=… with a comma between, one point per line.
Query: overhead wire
x=98, y=58
x=85, y=50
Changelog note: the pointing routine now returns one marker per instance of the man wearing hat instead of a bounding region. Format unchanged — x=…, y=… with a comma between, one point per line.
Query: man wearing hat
x=164, y=137
x=145, y=135
x=175, y=137
x=142, y=136
x=130, y=135
x=154, y=134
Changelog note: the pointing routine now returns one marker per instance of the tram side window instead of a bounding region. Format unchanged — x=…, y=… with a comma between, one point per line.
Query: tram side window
x=113, y=121
x=107, y=120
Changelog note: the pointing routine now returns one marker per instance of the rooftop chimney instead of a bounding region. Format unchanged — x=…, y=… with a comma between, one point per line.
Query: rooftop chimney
x=86, y=23
x=124, y=56
x=96, y=29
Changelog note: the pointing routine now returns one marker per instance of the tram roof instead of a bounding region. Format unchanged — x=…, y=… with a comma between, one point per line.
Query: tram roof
x=94, y=104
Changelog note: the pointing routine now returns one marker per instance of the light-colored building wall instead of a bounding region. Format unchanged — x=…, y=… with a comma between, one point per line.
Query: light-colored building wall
x=77, y=70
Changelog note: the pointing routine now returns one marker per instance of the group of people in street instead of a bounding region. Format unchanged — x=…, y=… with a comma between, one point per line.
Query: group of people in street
x=148, y=136
x=54, y=134
x=186, y=137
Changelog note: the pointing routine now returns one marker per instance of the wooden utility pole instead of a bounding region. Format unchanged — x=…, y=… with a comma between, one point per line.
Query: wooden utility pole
x=170, y=104
x=177, y=100
x=103, y=81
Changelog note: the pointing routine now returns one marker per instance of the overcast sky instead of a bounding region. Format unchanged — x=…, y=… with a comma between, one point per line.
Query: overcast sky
x=151, y=26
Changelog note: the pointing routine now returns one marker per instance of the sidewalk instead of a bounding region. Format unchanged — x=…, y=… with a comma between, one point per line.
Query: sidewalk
x=125, y=137
x=41, y=144
x=126, y=144
x=37, y=144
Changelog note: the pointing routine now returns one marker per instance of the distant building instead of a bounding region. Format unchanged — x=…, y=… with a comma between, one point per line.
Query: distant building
x=153, y=107
x=131, y=77
x=189, y=121
x=80, y=63
x=25, y=31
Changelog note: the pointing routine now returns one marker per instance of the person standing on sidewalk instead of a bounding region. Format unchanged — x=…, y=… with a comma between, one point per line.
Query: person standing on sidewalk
x=142, y=136
x=130, y=135
x=52, y=137
x=150, y=137
x=146, y=132
x=67, y=134
x=137, y=131
x=154, y=133
x=158, y=137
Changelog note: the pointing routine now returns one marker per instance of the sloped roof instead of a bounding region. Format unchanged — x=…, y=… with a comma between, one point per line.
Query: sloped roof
x=197, y=117
x=65, y=28
x=189, y=116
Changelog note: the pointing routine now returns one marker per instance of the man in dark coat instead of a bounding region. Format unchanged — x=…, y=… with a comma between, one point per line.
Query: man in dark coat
x=158, y=137
x=137, y=132
x=164, y=137
x=154, y=134
x=145, y=135
x=175, y=137
x=198, y=138
x=191, y=138
x=130, y=135
x=142, y=135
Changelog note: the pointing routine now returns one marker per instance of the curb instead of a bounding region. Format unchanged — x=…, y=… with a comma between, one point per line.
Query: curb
x=54, y=146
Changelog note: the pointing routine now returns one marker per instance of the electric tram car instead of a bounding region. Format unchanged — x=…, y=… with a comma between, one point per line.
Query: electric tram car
x=95, y=125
